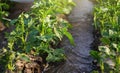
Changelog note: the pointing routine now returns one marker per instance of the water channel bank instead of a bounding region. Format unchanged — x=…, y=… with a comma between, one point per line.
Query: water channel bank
x=78, y=57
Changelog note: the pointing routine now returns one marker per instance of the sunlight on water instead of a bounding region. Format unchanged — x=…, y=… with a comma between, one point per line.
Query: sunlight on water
x=81, y=10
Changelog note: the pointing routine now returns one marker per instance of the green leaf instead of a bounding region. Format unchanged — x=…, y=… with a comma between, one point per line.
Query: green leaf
x=11, y=67
x=46, y=38
x=69, y=36
x=57, y=33
x=118, y=60
x=24, y=57
x=105, y=49
x=111, y=32
x=105, y=40
x=12, y=22
x=56, y=55
x=95, y=54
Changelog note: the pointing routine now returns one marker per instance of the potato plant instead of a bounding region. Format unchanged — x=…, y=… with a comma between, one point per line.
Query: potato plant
x=107, y=20
x=3, y=7
x=37, y=31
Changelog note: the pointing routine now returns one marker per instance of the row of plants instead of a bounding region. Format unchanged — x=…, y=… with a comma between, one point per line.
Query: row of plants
x=107, y=21
x=3, y=7
x=37, y=33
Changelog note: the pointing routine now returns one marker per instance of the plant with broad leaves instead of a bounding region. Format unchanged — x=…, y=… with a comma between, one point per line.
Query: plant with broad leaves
x=40, y=29
x=107, y=20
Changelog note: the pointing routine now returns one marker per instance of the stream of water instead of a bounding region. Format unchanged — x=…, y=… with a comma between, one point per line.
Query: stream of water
x=78, y=57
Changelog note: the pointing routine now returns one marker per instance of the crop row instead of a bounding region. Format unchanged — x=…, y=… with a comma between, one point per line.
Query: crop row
x=107, y=21
x=36, y=33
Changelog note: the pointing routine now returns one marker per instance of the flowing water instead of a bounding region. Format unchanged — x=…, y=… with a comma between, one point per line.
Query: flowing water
x=78, y=57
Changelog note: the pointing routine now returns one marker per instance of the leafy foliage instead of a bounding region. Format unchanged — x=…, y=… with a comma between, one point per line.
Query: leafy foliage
x=38, y=30
x=3, y=6
x=107, y=20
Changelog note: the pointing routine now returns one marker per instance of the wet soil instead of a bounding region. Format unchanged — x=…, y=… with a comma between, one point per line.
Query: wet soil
x=78, y=56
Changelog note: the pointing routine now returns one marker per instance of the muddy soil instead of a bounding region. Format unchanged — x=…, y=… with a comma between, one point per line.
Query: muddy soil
x=78, y=56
